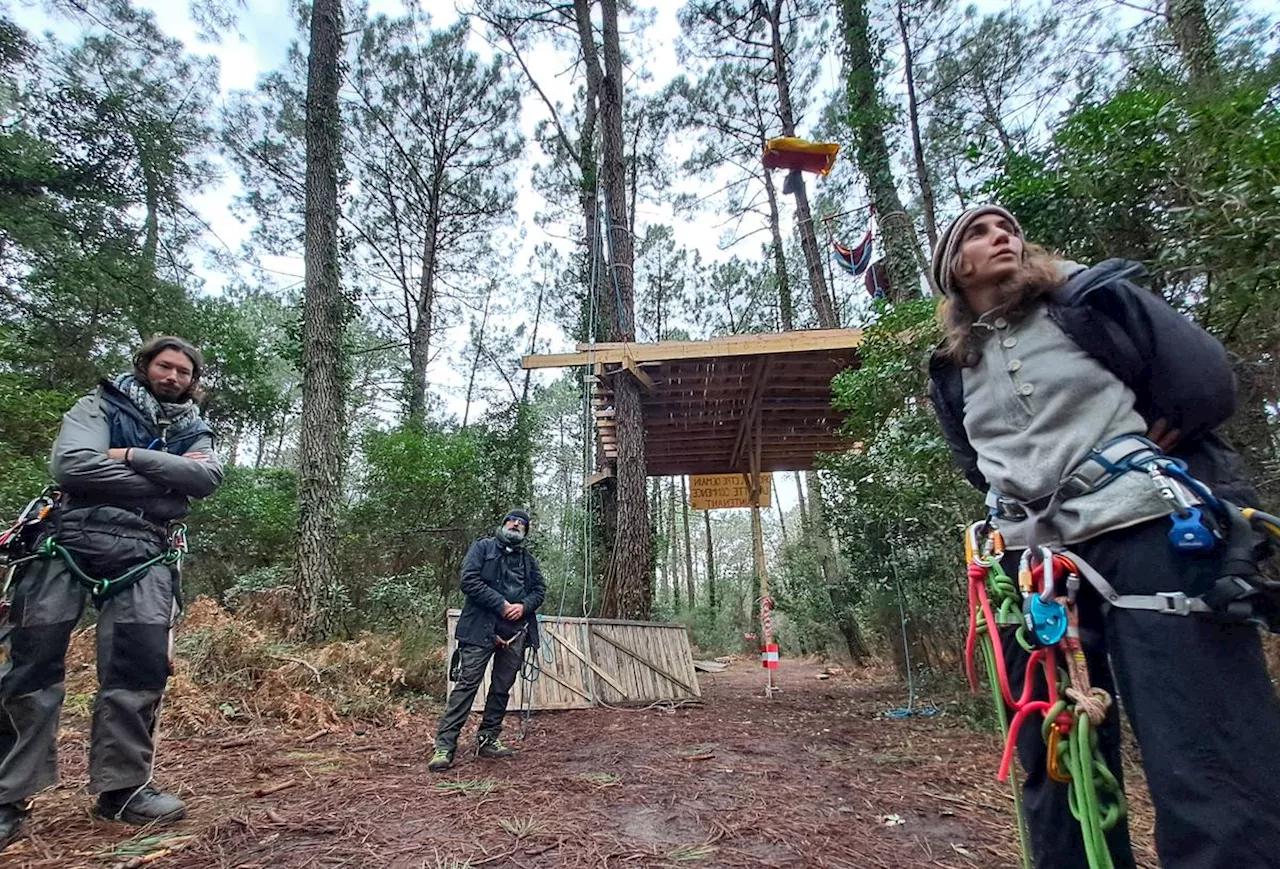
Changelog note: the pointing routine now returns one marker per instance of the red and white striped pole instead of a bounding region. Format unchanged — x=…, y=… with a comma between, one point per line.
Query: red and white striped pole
x=768, y=648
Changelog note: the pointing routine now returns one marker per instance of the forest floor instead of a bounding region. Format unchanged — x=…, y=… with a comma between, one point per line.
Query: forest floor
x=817, y=776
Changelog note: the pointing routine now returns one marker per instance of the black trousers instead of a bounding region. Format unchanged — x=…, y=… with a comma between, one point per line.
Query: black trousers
x=506, y=666
x=1202, y=706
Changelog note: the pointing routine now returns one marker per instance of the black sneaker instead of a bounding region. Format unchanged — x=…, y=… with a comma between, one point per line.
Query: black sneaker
x=441, y=760
x=493, y=746
x=11, y=817
x=141, y=806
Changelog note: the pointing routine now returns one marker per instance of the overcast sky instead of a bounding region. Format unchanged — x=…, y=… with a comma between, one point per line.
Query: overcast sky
x=265, y=32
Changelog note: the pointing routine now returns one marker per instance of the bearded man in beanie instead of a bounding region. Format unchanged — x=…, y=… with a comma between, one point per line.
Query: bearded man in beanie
x=128, y=460
x=504, y=588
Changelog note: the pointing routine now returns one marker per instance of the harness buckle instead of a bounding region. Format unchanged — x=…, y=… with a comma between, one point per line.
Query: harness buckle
x=1176, y=603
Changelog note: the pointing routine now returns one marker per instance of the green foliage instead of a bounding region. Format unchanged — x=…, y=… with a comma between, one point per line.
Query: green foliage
x=718, y=630
x=811, y=619
x=250, y=345
x=424, y=496
x=900, y=501
x=29, y=421
x=243, y=534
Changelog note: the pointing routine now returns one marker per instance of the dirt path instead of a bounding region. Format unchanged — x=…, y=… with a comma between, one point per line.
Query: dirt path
x=815, y=777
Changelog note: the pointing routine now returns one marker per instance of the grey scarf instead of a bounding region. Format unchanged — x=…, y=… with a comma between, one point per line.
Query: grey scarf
x=177, y=417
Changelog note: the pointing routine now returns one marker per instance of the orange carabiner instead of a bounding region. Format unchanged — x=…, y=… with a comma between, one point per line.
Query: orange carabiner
x=1055, y=771
x=981, y=542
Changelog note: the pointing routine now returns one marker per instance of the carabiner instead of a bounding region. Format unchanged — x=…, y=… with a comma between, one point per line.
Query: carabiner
x=1025, y=584
x=973, y=542
x=27, y=510
x=178, y=538
x=1046, y=574
x=982, y=543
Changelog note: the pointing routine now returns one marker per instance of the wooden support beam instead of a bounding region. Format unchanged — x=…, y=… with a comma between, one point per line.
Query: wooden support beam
x=562, y=683
x=597, y=478
x=729, y=346
x=758, y=384
x=630, y=364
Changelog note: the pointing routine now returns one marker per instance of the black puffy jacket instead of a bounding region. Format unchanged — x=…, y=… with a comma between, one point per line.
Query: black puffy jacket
x=481, y=581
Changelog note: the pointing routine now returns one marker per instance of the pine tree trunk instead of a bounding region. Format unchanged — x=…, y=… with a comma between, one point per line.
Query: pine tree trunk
x=420, y=340
x=631, y=542
x=868, y=118
x=782, y=519
x=1193, y=34
x=673, y=543
x=661, y=569
x=917, y=146
x=688, y=545
x=322, y=447
x=822, y=303
x=475, y=360
x=786, y=307
x=804, y=509
x=711, y=561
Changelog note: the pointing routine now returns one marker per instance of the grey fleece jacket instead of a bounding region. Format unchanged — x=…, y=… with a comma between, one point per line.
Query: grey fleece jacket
x=157, y=484
x=1034, y=406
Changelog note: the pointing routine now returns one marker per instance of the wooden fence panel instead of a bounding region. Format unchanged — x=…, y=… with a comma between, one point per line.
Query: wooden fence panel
x=585, y=662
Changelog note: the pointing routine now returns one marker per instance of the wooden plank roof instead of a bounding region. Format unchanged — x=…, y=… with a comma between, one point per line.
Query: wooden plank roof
x=703, y=402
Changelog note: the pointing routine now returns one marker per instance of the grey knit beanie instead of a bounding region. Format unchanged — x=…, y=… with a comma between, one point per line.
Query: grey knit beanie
x=944, y=254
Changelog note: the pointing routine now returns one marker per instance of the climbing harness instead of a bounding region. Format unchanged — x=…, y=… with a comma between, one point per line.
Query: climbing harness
x=1037, y=610
x=104, y=589
x=1041, y=612
x=31, y=538
x=1198, y=527
x=18, y=542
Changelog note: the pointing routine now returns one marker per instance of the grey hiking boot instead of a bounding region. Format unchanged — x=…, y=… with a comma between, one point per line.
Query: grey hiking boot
x=441, y=760
x=492, y=746
x=11, y=817
x=141, y=806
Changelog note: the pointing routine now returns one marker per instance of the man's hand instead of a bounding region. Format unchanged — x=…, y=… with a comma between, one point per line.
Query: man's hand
x=1163, y=436
x=117, y=453
x=196, y=456
x=513, y=612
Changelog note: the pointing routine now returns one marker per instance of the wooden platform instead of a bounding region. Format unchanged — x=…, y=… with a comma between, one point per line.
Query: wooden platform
x=586, y=662
x=707, y=405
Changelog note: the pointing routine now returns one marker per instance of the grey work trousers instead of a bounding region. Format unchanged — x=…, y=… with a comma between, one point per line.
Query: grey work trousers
x=133, y=666
x=506, y=666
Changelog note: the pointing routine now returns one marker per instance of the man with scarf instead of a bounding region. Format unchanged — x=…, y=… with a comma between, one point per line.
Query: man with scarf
x=128, y=460
x=504, y=588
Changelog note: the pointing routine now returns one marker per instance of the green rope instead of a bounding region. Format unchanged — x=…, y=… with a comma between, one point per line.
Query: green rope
x=1090, y=780
x=1024, y=843
x=1094, y=795
x=101, y=589
x=1003, y=589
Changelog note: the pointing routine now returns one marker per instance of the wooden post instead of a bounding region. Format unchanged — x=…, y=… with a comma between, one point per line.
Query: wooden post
x=757, y=537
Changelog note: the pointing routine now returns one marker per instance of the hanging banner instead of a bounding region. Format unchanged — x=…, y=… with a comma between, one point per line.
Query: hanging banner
x=726, y=491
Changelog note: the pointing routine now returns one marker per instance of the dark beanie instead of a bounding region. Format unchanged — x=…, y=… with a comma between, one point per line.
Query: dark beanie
x=944, y=253
x=518, y=514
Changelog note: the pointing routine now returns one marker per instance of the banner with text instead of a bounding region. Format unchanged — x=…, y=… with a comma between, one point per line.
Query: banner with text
x=724, y=491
